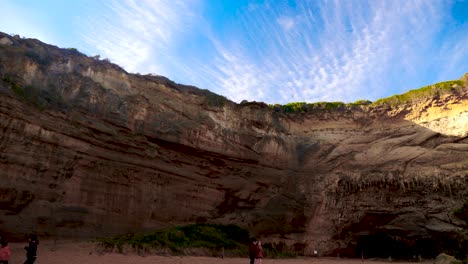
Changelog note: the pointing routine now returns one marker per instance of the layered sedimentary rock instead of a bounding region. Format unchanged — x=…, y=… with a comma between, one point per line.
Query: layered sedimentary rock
x=87, y=149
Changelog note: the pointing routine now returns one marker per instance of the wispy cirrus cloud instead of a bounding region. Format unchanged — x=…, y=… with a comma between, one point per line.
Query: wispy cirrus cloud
x=286, y=22
x=334, y=51
x=278, y=52
x=273, y=51
x=138, y=35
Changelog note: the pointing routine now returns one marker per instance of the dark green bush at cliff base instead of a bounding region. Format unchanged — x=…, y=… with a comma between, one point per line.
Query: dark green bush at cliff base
x=206, y=236
x=211, y=238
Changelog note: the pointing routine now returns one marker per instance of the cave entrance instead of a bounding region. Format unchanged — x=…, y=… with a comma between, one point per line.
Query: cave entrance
x=381, y=245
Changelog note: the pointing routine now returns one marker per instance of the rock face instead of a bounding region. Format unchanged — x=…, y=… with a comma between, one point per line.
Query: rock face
x=87, y=149
x=446, y=259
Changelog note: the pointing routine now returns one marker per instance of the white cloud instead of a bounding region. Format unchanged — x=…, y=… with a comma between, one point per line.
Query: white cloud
x=336, y=51
x=135, y=33
x=234, y=74
x=316, y=51
x=286, y=22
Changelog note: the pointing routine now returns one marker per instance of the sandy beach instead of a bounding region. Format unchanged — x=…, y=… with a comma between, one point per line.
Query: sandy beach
x=69, y=252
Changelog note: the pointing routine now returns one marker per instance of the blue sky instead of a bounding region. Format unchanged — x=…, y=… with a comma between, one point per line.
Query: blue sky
x=275, y=51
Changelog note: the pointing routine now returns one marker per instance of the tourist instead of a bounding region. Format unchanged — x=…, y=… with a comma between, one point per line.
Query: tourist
x=5, y=251
x=31, y=250
x=259, y=253
x=252, y=250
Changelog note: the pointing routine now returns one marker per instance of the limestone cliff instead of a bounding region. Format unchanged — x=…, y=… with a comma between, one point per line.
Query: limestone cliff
x=87, y=149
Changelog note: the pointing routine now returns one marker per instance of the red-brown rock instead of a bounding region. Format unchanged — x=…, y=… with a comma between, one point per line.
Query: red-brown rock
x=87, y=149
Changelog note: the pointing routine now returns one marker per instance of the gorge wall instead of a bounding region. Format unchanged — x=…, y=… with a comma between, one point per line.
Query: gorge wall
x=87, y=149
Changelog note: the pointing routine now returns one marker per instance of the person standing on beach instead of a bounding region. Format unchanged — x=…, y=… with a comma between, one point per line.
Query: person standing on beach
x=259, y=253
x=253, y=250
x=31, y=250
x=5, y=252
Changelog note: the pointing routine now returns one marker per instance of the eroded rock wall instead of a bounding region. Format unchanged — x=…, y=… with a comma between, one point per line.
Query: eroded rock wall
x=87, y=149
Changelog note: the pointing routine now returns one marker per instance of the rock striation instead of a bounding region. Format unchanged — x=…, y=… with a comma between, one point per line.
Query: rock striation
x=87, y=149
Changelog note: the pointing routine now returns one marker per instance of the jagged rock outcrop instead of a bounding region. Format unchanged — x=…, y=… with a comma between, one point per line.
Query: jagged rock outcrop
x=87, y=149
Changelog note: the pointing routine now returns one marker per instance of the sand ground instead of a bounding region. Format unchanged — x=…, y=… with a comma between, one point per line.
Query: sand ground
x=69, y=252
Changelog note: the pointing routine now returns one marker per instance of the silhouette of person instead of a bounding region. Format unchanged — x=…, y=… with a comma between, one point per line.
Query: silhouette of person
x=252, y=250
x=31, y=250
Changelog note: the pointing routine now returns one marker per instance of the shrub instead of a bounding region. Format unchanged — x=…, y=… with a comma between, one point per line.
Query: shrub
x=360, y=102
x=302, y=107
x=208, y=236
x=18, y=90
x=328, y=105
x=296, y=107
x=279, y=250
x=41, y=59
x=212, y=99
x=74, y=51
x=38, y=97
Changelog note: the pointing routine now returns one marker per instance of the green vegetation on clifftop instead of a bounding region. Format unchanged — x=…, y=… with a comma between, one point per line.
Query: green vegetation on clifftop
x=421, y=93
x=303, y=107
x=212, y=99
x=411, y=96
